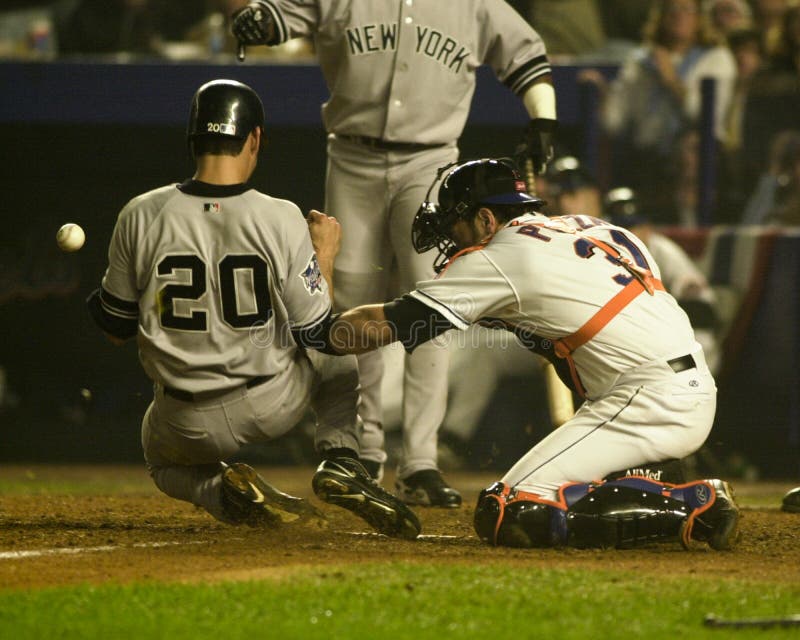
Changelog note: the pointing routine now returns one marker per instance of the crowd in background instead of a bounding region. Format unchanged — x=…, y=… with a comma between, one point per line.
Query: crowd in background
x=649, y=109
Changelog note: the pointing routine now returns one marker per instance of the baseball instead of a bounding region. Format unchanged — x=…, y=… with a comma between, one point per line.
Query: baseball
x=70, y=237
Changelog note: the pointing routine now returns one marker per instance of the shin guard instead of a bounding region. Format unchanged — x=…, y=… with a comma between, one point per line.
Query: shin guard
x=512, y=518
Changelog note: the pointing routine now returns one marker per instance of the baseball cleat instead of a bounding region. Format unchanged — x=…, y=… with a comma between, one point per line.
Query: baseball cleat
x=719, y=526
x=429, y=489
x=249, y=499
x=374, y=469
x=345, y=483
x=791, y=501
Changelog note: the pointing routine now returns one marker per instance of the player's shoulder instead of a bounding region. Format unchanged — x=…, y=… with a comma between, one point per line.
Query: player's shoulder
x=149, y=201
x=280, y=211
x=282, y=217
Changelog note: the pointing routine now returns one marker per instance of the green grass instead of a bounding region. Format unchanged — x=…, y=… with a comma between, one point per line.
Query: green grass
x=101, y=482
x=397, y=601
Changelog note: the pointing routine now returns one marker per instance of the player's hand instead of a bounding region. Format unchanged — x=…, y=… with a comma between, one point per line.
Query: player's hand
x=326, y=234
x=538, y=143
x=252, y=24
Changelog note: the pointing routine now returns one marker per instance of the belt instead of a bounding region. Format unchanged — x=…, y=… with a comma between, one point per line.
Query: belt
x=682, y=363
x=187, y=396
x=390, y=145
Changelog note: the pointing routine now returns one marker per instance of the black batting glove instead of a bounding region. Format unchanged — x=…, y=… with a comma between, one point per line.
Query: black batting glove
x=251, y=24
x=537, y=145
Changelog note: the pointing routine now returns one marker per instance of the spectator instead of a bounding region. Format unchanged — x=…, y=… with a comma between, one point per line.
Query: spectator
x=768, y=16
x=784, y=155
x=656, y=94
x=777, y=194
x=786, y=54
x=773, y=100
x=568, y=27
x=133, y=26
x=728, y=15
x=748, y=52
x=623, y=20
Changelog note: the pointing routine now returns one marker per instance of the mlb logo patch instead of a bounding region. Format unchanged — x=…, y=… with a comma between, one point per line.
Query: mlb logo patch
x=211, y=207
x=312, y=276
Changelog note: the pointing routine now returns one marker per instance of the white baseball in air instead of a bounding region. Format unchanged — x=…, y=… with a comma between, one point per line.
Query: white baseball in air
x=70, y=237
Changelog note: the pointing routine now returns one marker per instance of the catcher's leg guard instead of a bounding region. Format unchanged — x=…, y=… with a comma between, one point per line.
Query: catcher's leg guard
x=620, y=516
x=518, y=519
x=632, y=511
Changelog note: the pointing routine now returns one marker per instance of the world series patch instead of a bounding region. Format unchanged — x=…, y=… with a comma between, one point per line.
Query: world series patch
x=312, y=276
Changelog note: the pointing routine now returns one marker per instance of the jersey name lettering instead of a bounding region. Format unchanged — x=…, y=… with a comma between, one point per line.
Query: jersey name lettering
x=436, y=45
x=371, y=38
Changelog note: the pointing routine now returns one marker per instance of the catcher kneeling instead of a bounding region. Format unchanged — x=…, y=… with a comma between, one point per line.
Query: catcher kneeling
x=586, y=295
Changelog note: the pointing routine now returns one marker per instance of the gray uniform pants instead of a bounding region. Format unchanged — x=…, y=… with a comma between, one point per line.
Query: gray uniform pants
x=184, y=442
x=375, y=195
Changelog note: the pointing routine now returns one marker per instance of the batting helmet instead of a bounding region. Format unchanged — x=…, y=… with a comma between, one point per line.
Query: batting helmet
x=463, y=190
x=622, y=208
x=225, y=108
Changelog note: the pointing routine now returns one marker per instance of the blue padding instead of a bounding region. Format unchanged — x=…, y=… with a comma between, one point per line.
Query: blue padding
x=157, y=92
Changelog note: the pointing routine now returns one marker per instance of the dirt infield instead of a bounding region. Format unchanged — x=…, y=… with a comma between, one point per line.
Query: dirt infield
x=109, y=524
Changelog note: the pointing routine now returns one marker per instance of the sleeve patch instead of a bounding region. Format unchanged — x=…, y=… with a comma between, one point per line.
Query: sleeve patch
x=312, y=276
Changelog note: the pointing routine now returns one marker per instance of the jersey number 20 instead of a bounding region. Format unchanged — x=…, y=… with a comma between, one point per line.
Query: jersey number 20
x=231, y=296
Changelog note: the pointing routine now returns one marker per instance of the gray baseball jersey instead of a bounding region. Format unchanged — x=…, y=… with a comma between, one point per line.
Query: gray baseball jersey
x=404, y=70
x=400, y=71
x=218, y=278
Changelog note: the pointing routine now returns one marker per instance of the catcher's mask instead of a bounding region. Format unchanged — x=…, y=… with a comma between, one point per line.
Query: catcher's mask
x=464, y=188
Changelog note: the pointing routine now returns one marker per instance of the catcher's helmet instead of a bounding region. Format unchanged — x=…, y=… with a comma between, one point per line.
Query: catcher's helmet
x=463, y=190
x=225, y=108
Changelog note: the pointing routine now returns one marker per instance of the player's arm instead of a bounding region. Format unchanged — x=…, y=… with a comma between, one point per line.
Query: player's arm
x=119, y=319
x=372, y=326
x=326, y=237
x=114, y=306
x=540, y=103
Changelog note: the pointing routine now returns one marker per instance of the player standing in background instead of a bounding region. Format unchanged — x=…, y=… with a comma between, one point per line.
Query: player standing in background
x=401, y=76
x=220, y=283
x=588, y=295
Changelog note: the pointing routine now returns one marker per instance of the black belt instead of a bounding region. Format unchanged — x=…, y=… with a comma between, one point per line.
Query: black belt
x=683, y=363
x=390, y=145
x=187, y=396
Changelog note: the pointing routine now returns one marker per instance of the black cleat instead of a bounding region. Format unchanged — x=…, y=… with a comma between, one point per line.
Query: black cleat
x=428, y=488
x=791, y=501
x=249, y=499
x=374, y=469
x=345, y=483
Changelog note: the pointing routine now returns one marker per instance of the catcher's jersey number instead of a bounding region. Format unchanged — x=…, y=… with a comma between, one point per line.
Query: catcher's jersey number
x=232, y=271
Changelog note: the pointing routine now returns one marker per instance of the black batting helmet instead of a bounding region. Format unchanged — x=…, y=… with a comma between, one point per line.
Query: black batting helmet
x=225, y=108
x=463, y=190
x=622, y=208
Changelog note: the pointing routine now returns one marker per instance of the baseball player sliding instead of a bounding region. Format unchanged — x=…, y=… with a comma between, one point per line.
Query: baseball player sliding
x=219, y=283
x=588, y=294
x=401, y=76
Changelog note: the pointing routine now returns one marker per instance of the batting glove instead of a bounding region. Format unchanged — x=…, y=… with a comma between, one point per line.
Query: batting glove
x=538, y=143
x=251, y=24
